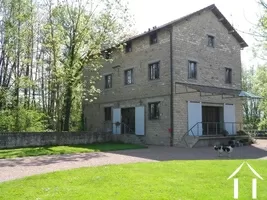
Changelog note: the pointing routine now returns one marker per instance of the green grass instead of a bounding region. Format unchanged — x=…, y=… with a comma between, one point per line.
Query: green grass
x=177, y=180
x=55, y=150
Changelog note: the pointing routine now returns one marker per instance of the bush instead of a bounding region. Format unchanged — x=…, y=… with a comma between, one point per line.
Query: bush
x=241, y=132
x=28, y=120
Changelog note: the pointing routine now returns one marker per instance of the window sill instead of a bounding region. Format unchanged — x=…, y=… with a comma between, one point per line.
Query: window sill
x=127, y=85
x=154, y=119
x=157, y=79
x=192, y=79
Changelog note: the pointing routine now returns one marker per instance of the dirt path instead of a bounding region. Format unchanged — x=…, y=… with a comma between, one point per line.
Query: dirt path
x=21, y=167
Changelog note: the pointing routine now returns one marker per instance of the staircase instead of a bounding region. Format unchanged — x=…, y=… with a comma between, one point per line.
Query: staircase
x=190, y=141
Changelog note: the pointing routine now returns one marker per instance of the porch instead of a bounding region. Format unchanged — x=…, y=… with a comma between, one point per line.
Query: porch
x=212, y=133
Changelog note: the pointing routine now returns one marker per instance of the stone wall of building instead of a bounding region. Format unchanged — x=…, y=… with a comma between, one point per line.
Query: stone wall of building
x=141, y=92
x=190, y=42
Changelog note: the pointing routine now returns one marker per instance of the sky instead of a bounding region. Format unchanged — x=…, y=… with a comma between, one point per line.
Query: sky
x=242, y=14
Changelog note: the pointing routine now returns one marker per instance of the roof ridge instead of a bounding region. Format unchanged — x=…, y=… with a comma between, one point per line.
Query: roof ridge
x=211, y=7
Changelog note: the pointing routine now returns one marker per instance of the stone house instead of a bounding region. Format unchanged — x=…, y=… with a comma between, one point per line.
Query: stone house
x=180, y=79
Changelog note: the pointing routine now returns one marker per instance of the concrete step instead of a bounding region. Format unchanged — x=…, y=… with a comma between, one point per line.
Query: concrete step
x=191, y=140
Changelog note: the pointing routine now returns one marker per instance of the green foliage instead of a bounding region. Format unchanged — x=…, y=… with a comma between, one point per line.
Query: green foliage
x=29, y=120
x=47, y=49
x=251, y=107
x=260, y=87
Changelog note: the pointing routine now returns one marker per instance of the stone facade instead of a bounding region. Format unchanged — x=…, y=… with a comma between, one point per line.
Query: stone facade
x=142, y=92
x=189, y=41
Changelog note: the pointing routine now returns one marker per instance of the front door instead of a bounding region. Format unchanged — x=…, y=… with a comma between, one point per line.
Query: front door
x=211, y=119
x=128, y=120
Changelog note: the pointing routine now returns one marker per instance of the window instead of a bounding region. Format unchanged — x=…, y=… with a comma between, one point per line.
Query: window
x=107, y=54
x=154, y=71
x=153, y=38
x=192, y=70
x=153, y=110
x=128, y=47
x=128, y=76
x=228, y=75
x=107, y=111
x=210, y=41
x=108, y=81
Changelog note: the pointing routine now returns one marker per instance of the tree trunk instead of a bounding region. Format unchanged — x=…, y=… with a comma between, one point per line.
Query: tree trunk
x=67, y=103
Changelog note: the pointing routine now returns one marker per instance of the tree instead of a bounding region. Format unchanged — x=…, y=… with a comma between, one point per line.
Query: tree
x=251, y=107
x=44, y=48
x=77, y=37
x=260, y=87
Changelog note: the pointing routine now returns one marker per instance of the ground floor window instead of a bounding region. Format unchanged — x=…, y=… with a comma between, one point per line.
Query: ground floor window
x=107, y=111
x=153, y=110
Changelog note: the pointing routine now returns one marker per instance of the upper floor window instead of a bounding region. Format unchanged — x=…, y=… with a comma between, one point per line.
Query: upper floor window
x=154, y=110
x=192, y=70
x=107, y=54
x=210, y=41
x=107, y=111
x=108, y=81
x=154, y=71
x=228, y=75
x=128, y=47
x=153, y=38
x=128, y=74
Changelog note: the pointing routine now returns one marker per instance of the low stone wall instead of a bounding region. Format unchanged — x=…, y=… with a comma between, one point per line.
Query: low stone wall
x=128, y=138
x=12, y=140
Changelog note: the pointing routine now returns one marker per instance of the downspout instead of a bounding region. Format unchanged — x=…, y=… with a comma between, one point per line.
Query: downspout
x=171, y=97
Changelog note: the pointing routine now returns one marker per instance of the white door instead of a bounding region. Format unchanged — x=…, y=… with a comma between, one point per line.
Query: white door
x=194, y=117
x=140, y=120
x=229, y=118
x=116, y=118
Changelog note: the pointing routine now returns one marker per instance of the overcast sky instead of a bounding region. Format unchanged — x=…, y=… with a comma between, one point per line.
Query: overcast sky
x=241, y=13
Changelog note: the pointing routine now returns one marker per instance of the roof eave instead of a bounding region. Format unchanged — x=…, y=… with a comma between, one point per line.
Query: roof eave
x=229, y=27
x=217, y=13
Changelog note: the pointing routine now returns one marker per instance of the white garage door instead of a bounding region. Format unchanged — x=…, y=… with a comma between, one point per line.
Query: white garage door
x=116, y=118
x=140, y=120
x=195, y=116
x=229, y=118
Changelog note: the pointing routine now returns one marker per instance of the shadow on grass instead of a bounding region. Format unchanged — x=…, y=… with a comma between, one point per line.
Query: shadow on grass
x=67, y=153
x=156, y=153
x=48, y=160
x=160, y=153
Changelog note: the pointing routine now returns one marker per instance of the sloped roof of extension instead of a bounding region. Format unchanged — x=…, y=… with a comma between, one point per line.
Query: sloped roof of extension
x=216, y=91
x=216, y=12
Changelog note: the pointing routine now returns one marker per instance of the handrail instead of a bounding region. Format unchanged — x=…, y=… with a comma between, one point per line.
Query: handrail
x=127, y=126
x=182, y=138
x=215, y=127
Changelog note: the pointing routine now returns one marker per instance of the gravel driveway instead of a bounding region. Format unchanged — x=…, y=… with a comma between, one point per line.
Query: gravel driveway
x=20, y=167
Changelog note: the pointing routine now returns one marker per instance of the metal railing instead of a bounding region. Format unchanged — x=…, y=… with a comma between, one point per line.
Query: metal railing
x=216, y=129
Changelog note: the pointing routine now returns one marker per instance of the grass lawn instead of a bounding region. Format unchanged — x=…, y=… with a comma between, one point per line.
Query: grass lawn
x=177, y=180
x=54, y=150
